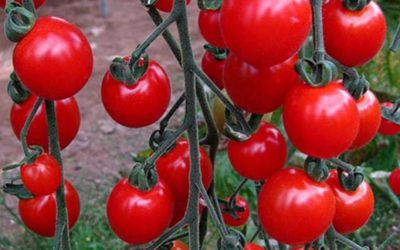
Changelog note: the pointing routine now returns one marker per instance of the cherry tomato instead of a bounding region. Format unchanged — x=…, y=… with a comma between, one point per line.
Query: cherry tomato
x=141, y=103
x=348, y=33
x=260, y=156
x=54, y=60
x=214, y=68
x=259, y=90
x=370, y=119
x=387, y=127
x=265, y=32
x=353, y=209
x=252, y=246
x=209, y=26
x=179, y=245
x=67, y=116
x=138, y=217
x=315, y=117
x=39, y=213
x=306, y=207
x=394, y=181
x=173, y=168
x=180, y=209
x=166, y=5
x=37, y=3
x=242, y=216
x=43, y=176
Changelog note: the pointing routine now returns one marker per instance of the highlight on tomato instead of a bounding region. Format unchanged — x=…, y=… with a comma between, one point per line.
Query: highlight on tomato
x=240, y=217
x=387, y=127
x=394, y=181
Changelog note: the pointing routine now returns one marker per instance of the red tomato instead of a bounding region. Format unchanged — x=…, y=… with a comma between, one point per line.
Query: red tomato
x=214, y=68
x=54, y=60
x=37, y=3
x=394, y=181
x=259, y=90
x=43, y=176
x=173, y=168
x=243, y=216
x=252, y=246
x=67, y=116
x=353, y=209
x=306, y=207
x=265, y=32
x=370, y=118
x=260, y=156
x=348, y=33
x=166, y=5
x=315, y=117
x=387, y=127
x=39, y=213
x=179, y=245
x=141, y=103
x=209, y=26
x=139, y=217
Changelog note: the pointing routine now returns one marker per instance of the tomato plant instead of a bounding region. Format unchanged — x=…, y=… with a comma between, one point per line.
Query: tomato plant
x=42, y=176
x=242, y=216
x=252, y=246
x=209, y=26
x=394, y=181
x=37, y=3
x=388, y=127
x=306, y=207
x=166, y=5
x=39, y=213
x=214, y=68
x=179, y=245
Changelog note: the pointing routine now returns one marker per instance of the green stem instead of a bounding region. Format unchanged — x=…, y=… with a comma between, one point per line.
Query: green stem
x=27, y=124
x=318, y=34
x=330, y=238
x=341, y=164
x=396, y=41
x=349, y=242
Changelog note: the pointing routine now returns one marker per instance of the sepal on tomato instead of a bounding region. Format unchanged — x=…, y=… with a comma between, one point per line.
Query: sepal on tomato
x=19, y=22
x=350, y=181
x=316, y=169
x=129, y=70
x=235, y=240
x=392, y=113
x=355, y=5
x=141, y=178
x=17, y=190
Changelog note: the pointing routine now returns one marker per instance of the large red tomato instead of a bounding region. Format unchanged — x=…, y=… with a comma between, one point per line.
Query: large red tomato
x=242, y=216
x=138, y=217
x=322, y=122
x=67, y=116
x=259, y=90
x=388, y=127
x=39, y=213
x=166, y=5
x=141, y=103
x=294, y=209
x=348, y=33
x=54, y=60
x=214, y=68
x=353, y=209
x=265, y=32
x=370, y=119
x=37, y=3
x=174, y=166
x=209, y=26
x=394, y=181
x=260, y=156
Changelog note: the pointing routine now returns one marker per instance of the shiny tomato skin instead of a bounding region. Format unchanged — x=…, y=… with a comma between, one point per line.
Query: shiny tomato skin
x=37, y=3
x=43, y=176
x=54, y=60
x=369, y=110
x=138, y=217
x=67, y=115
x=314, y=117
x=263, y=154
x=252, y=246
x=265, y=32
x=394, y=181
x=166, y=5
x=387, y=127
x=353, y=209
x=259, y=90
x=307, y=207
x=39, y=213
x=209, y=26
x=179, y=245
x=174, y=166
x=141, y=103
x=243, y=216
x=214, y=68
x=348, y=33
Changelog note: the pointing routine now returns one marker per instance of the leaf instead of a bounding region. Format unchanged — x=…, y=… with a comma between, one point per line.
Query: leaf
x=17, y=190
x=385, y=158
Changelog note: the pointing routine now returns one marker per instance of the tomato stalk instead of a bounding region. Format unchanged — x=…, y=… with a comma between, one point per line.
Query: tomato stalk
x=28, y=155
x=17, y=92
x=396, y=41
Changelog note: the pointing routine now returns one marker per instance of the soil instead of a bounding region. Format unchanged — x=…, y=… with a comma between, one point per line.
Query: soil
x=101, y=152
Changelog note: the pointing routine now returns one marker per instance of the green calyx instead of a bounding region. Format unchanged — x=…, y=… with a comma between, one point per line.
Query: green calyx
x=350, y=181
x=148, y=3
x=142, y=179
x=235, y=240
x=17, y=190
x=129, y=72
x=209, y=4
x=316, y=169
x=357, y=86
x=316, y=72
x=355, y=5
x=392, y=114
x=20, y=20
x=238, y=132
x=230, y=207
x=219, y=54
x=16, y=90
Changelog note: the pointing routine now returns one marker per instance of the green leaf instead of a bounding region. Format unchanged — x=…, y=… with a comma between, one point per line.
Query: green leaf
x=386, y=157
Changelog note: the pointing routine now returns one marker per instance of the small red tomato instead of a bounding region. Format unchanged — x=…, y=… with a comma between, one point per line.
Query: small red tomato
x=166, y=5
x=209, y=26
x=141, y=103
x=43, y=176
x=67, y=116
x=252, y=246
x=305, y=206
x=39, y=213
x=353, y=209
x=260, y=156
x=54, y=60
x=370, y=119
x=138, y=217
x=355, y=28
x=242, y=216
x=314, y=117
x=259, y=90
x=387, y=127
x=37, y=3
x=179, y=245
x=214, y=68
x=394, y=181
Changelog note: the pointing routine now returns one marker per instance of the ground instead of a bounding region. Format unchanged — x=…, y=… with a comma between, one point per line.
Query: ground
x=101, y=150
